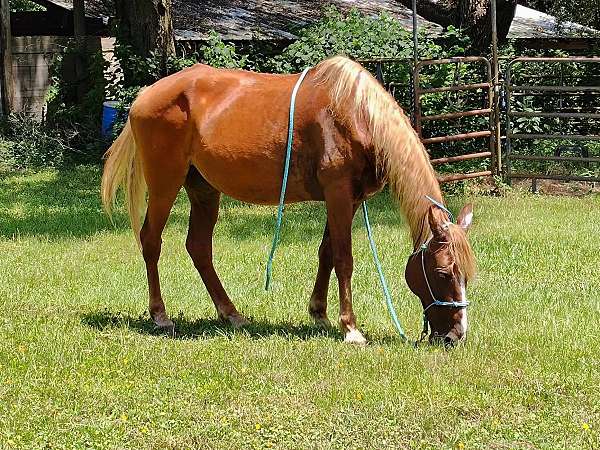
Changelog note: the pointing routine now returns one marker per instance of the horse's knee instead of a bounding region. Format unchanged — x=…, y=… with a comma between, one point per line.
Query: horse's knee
x=200, y=254
x=344, y=265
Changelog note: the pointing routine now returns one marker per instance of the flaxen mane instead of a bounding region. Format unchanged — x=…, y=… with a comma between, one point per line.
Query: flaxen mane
x=400, y=154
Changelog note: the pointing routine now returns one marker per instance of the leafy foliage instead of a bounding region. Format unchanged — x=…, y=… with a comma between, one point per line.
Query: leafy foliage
x=26, y=143
x=146, y=70
x=63, y=106
x=24, y=5
x=354, y=35
x=585, y=12
x=217, y=53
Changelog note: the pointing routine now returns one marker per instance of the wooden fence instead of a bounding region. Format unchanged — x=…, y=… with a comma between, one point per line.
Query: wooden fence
x=32, y=58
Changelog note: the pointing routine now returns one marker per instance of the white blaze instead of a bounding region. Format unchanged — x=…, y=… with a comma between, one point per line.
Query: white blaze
x=463, y=295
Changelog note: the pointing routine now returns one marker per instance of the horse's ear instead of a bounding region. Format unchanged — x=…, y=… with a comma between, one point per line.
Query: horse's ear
x=438, y=220
x=465, y=218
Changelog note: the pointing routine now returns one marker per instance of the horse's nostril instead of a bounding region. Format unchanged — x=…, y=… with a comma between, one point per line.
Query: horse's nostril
x=439, y=339
x=448, y=341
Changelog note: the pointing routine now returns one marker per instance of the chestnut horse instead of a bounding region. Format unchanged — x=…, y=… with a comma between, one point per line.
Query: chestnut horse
x=216, y=131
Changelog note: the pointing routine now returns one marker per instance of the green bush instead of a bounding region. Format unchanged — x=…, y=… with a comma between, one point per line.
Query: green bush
x=217, y=53
x=143, y=71
x=24, y=5
x=26, y=143
x=64, y=108
x=359, y=36
x=354, y=35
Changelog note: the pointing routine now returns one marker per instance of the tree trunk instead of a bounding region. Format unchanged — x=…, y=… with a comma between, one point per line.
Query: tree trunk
x=146, y=25
x=472, y=16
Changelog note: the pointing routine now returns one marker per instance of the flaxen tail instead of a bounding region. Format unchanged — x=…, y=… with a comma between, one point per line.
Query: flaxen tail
x=124, y=168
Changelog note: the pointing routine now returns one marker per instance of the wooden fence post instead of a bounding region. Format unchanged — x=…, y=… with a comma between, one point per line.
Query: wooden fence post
x=80, y=43
x=6, y=69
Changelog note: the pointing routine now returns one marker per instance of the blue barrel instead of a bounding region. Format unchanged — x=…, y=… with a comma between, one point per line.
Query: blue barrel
x=109, y=116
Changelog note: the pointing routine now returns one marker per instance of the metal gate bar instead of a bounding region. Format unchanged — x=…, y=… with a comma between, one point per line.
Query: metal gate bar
x=463, y=176
x=489, y=112
x=418, y=118
x=528, y=90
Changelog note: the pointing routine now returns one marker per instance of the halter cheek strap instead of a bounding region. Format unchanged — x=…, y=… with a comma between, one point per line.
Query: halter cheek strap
x=452, y=304
x=436, y=302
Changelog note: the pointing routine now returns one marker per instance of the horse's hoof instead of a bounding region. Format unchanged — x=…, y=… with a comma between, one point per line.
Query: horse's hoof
x=238, y=321
x=355, y=337
x=164, y=324
x=168, y=330
x=322, y=322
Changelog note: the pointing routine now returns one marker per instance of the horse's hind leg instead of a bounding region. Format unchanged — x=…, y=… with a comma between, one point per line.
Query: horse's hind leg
x=317, y=308
x=163, y=186
x=204, y=200
x=159, y=207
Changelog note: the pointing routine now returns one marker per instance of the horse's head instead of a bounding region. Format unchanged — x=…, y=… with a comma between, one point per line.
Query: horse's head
x=438, y=274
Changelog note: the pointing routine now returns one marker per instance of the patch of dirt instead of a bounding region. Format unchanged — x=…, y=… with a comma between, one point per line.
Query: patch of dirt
x=560, y=188
x=488, y=186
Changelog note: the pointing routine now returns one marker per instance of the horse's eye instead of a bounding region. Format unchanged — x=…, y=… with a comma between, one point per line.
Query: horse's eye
x=443, y=273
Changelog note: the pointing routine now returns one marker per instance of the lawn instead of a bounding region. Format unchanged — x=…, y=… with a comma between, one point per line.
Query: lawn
x=82, y=367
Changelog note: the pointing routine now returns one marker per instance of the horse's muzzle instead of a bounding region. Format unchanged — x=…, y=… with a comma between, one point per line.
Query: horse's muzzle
x=447, y=340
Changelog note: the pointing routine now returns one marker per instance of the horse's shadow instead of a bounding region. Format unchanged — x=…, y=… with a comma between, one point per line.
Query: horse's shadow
x=204, y=328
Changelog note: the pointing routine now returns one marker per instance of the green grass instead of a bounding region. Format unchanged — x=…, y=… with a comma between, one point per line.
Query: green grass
x=81, y=366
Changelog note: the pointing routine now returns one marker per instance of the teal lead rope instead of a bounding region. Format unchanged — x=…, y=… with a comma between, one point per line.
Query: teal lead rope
x=386, y=292
x=442, y=207
x=286, y=171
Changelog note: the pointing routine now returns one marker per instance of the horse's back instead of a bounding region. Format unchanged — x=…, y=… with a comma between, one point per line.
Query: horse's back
x=200, y=87
x=232, y=126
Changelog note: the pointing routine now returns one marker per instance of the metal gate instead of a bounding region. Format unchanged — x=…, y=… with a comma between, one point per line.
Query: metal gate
x=487, y=85
x=414, y=102
x=512, y=115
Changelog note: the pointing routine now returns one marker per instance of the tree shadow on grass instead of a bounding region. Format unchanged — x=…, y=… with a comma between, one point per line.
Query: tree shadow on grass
x=66, y=204
x=56, y=204
x=203, y=328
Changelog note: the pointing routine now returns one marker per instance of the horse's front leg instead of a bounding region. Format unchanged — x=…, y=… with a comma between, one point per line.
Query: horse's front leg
x=340, y=212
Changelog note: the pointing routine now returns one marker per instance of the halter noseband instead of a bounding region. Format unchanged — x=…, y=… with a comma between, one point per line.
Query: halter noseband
x=448, y=304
